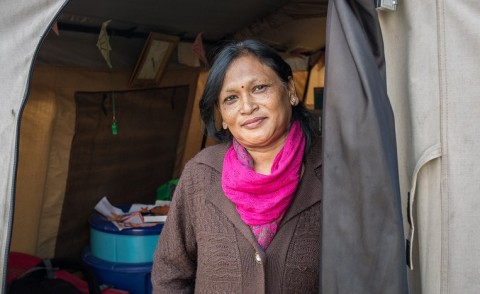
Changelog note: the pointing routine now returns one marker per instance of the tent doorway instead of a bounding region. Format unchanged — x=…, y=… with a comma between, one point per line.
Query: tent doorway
x=69, y=63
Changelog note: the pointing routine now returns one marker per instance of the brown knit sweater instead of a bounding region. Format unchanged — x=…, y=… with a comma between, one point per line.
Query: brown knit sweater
x=205, y=247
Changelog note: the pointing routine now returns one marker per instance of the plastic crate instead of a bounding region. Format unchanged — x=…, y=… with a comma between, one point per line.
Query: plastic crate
x=131, y=277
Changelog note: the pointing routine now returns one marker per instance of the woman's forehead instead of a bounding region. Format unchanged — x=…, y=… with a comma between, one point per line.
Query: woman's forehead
x=248, y=65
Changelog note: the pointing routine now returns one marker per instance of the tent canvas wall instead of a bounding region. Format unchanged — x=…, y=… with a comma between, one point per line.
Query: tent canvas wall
x=431, y=70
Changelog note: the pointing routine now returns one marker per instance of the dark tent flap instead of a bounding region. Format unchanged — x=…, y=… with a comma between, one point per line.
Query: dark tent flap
x=363, y=247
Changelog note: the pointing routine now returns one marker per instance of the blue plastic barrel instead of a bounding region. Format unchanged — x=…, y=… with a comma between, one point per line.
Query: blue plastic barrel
x=135, y=245
x=132, y=277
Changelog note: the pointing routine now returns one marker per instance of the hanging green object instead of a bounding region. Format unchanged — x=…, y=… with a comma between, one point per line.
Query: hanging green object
x=114, y=128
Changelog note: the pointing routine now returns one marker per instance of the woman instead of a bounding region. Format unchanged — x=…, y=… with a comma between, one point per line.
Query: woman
x=245, y=217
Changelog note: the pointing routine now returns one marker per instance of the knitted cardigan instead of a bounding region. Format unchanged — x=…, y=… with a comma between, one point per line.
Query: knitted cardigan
x=205, y=247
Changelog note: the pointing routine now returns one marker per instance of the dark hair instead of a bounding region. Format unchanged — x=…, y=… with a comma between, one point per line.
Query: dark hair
x=266, y=55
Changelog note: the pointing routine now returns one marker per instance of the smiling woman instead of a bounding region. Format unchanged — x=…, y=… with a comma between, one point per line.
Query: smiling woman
x=257, y=114
x=249, y=207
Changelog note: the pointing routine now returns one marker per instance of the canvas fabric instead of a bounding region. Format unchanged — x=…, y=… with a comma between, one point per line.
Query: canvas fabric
x=35, y=143
x=22, y=24
x=363, y=247
x=432, y=69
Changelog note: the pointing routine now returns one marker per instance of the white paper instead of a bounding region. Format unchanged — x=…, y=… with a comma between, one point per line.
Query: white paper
x=106, y=209
x=138, y=207
x=132, y=218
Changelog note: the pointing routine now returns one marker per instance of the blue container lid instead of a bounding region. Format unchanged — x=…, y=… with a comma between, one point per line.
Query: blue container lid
x=142, y=267
x=101, y=223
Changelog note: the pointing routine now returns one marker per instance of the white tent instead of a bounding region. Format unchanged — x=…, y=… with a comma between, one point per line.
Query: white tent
x=432, y=68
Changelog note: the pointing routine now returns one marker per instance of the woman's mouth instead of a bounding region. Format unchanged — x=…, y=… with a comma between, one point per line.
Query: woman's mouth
x=253, y=122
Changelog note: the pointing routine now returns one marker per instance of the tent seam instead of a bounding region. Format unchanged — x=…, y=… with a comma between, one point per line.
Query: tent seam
x=443, y=101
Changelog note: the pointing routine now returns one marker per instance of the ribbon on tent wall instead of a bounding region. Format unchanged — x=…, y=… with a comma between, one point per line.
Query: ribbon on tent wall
x=363, y=244
x=103, y=44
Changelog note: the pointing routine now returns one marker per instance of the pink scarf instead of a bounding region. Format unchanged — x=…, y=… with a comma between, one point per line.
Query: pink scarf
x=262, y=199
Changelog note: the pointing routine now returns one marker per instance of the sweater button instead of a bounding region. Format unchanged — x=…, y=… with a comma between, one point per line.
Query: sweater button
x=258, y=259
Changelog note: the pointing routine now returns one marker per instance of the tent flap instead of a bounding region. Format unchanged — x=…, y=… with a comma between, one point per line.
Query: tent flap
x=363, y=245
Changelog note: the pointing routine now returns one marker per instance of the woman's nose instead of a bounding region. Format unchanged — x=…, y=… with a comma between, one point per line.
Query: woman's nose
x=248, y=104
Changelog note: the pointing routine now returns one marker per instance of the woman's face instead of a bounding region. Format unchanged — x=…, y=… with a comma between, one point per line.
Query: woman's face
x=255, y=104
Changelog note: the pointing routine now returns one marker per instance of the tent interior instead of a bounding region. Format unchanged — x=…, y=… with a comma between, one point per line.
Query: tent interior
x=69, y=157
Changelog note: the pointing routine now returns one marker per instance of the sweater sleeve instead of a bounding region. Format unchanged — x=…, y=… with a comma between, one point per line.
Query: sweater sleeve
x=174, y=264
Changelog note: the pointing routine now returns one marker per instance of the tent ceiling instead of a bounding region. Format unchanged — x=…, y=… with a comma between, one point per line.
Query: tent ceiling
x=285, y=24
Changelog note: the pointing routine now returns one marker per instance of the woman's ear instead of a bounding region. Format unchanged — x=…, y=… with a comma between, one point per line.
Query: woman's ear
x=292, y=93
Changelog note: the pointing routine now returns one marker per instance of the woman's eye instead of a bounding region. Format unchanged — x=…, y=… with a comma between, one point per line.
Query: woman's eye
x=259, y=88
x=229, y=99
